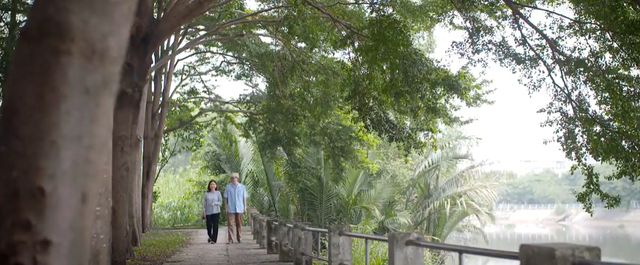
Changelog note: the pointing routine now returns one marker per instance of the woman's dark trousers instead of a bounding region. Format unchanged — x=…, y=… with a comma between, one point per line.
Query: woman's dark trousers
x=212, y=226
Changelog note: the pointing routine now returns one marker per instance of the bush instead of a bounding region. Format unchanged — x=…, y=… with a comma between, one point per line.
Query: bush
x=179, y=201
x=157, y=247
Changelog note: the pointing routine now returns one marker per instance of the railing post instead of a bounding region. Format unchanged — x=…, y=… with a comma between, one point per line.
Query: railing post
x=400, y=253
x=262, y=236
x=296, y=243
x=254, y=225
x=283, y=242
x=307, y=247
x=303, y=245
x=299, y=244
x=557, y=253
x=339, y=246
x=272, y=233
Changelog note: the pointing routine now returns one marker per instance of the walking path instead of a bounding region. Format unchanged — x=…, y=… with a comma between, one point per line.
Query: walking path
x=199, y=252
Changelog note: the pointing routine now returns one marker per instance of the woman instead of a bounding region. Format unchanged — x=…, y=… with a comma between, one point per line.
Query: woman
x=212, y=202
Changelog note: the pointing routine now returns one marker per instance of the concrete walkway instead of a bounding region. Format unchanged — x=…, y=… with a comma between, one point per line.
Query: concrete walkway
x=199, y=252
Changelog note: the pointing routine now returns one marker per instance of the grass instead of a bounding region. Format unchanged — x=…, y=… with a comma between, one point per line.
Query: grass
x=157, y=247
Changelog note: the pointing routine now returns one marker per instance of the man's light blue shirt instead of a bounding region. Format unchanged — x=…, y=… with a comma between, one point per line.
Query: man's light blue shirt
x=235, y=195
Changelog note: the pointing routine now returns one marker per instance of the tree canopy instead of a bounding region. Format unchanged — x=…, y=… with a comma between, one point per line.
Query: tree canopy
x=330, y=74
x=585, y=55
x=333, y=71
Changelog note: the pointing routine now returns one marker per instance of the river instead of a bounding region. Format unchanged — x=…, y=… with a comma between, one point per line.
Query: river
x=618, y=241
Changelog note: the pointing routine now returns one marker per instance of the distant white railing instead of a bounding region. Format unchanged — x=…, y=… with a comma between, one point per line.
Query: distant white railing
x=551, y=206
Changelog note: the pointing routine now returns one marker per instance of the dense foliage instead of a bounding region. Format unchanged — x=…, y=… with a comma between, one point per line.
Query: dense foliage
x=12, y=18
x=436, y=192
x=327, y=73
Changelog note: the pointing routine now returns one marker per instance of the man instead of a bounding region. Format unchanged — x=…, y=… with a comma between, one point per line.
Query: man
x=235, y=195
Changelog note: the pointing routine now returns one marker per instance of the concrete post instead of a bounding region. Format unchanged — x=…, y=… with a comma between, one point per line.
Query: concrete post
x=258, y=228
x=283, y=243
x=339, y=246
x=557, y=253
x=307, y=247
x=254, y=225
x=400, y=253
x=303, y=245
x=262, y=236
x=296, y=244
x=272, y=232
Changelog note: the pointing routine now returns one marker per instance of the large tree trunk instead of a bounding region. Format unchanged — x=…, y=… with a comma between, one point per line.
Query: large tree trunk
x=56, y=123
x=126, y=152
x=126, y=142
x=101, y=238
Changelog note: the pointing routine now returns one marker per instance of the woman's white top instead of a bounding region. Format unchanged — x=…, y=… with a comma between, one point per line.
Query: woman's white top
x=212, y=202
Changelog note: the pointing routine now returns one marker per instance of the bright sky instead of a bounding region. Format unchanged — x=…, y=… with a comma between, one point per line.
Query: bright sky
x=511, y=137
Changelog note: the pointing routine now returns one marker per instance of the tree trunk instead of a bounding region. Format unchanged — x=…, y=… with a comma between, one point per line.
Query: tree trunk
x=137, y=188
x=101, y=238
x=157, y=109
x=150, y=159
x=126, y=151
x=126, y=142
x=147, y=190
x=56, y=123
x=147, y=204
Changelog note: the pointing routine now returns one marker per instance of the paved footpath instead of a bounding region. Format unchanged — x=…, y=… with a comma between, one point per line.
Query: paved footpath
x=199, y=252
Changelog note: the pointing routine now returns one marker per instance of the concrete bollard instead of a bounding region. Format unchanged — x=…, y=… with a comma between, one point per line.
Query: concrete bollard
x=339, y=246
x=283, y=243
x=272, y=233
x=296, y=241
x=557, y=254
x=307, y=247
x=400, y=253
x=303, y=245
x=262, y=236
x=254, y=225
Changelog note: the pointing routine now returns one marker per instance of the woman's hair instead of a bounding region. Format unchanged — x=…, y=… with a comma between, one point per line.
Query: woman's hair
x=209, y=185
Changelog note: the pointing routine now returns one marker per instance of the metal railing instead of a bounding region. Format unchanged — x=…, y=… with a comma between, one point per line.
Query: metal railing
x=366, y=238
x=462, y=250
x=319, y=232
x=303, y=244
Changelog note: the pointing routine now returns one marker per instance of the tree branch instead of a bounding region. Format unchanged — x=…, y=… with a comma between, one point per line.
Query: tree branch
x=180, y=13
x=190, y=45
x=245, y=19
x=557, y=14
x=550, y=42
x=346, y=25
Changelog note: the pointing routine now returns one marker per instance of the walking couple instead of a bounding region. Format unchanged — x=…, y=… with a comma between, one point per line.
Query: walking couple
x=235, y=197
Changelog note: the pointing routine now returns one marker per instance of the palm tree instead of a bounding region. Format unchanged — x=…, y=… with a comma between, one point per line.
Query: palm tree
x=447, y=194
x=227, y=152
x=330, y=194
